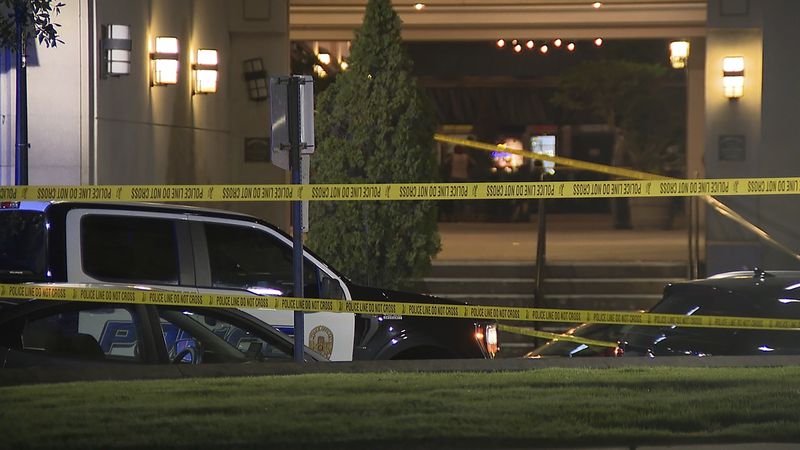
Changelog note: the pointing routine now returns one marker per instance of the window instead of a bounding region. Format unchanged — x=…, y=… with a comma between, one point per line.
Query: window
x=129, y=249
x=248, y=258
x=99, y=334
x=194, y=337
x=22, y=245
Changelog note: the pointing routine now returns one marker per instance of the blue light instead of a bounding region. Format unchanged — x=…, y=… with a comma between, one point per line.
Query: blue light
x=496, y=155
x=286, y=330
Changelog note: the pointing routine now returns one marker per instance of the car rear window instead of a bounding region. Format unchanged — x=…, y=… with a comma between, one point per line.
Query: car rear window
x=22, y=246
x=129, y=249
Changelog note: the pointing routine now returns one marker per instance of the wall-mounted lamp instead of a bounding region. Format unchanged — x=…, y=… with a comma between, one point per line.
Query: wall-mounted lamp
x=256, y=78
x=733, y=76
x=116, y=45
x=165, y=61
x=324, y=58
x=678, y=54
x=205, y=72
x=319, y=71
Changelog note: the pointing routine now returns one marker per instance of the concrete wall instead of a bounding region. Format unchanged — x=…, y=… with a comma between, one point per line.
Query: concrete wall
x=761, y=124
x=164, y=134
x=780, y=124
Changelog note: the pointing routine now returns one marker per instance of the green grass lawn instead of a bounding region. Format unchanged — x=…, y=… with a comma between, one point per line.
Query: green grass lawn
x=539, y=408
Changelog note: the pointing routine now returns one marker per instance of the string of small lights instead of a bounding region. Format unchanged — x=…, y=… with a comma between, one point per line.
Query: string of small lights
x=517, y=45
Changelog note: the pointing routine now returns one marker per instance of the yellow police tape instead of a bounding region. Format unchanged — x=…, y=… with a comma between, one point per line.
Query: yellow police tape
x=559, y=337
x=187, y=298
x=599, y=168
x=407, y=191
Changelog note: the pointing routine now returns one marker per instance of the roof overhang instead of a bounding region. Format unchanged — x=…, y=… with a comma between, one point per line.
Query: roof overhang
x=470, y=20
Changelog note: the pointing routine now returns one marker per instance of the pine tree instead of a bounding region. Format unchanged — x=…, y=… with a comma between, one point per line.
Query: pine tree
x=374, y=125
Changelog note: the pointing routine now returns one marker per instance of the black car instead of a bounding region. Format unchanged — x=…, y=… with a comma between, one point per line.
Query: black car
x=754, y=293
x=37, y=333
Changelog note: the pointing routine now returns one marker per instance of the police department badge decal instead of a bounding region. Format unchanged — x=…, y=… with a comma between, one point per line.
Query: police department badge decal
x=320, y=339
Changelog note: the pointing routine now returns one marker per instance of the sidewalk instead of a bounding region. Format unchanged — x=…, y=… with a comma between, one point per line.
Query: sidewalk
x=570, y=237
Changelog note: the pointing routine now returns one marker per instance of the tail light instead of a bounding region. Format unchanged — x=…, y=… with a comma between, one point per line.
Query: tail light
x=612, y=351
x=487, y=336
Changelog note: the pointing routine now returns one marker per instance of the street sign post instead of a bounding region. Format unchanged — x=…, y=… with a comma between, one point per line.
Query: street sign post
x=279, y=107
x=292, y=116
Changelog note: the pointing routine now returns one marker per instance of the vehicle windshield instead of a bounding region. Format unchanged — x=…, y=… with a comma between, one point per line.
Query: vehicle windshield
x=22, y=246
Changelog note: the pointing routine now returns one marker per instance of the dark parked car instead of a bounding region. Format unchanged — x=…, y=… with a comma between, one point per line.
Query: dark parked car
x=739, y=294
x=36, y=333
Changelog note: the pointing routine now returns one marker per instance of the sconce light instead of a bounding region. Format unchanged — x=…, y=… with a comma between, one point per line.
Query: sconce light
x=678, y=54
x=319, y=71
x=205, y=72
x=116, y=46
x=324, y=58
x=733, y=76
x=165, y=61
x=256, y=78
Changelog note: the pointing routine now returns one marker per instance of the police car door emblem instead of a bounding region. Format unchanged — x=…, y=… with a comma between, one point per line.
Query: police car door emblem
x=320, y=339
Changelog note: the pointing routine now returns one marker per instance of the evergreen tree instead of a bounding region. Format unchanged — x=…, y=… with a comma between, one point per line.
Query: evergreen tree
x=374, y=125
x=34, y=16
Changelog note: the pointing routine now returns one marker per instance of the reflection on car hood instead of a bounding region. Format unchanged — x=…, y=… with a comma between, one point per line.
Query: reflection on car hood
x=377, y=294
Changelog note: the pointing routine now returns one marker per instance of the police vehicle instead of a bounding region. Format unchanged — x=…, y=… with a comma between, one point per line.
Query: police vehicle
x=183, y=248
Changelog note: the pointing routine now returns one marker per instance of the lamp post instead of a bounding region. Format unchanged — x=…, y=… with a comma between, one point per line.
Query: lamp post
x=22, y=145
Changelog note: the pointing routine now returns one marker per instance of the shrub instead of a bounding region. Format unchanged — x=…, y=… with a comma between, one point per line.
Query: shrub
x=374, y=125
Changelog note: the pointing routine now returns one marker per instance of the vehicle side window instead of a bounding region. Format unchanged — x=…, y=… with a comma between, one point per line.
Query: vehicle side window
x=250, y=259
x=194, y=337
x=99, y=334
x=129, y=249
x=22, y=245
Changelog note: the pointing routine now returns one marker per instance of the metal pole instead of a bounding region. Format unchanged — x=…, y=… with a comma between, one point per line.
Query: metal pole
x=696, y=214
x=21, y=154
x=694, y=232
x=293, y=118
x=690, y=228
x=540, y=251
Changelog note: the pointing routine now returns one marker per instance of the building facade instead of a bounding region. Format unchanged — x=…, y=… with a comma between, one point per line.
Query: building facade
x=89, y=127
